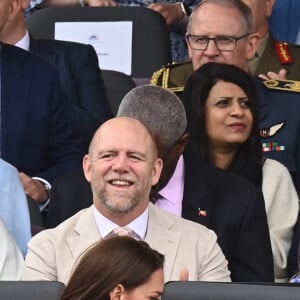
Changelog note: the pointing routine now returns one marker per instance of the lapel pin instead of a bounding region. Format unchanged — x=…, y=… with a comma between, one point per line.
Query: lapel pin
x=202, y=212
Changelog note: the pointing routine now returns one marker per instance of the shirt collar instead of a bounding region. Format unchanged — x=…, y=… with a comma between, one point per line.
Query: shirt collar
x=176, y=183
x=24, y=42
x=105, y=226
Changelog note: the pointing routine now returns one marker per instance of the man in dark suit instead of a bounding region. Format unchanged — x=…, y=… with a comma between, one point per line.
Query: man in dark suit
x=79, y=72
x=37, y=136
x=229, y=205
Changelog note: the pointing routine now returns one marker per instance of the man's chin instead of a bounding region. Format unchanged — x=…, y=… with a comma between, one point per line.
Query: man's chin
x=119, y=204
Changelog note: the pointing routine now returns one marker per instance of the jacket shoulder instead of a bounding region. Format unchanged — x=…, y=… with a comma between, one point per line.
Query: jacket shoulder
x=283, y=85
x=173, y=76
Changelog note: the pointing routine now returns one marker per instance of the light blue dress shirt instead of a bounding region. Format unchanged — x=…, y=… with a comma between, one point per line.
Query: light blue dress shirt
x=14, y=209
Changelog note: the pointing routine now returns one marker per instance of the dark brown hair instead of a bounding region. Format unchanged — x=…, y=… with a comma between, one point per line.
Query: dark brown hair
x=113, y=261
x=248, y=161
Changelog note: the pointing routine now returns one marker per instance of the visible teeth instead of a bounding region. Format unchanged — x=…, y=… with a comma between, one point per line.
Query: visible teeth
x=120, y=182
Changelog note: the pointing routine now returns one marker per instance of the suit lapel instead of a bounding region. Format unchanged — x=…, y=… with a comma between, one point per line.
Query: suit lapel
x=85, y=234
x=199, y=192
x=43, y=50
x=166, y=242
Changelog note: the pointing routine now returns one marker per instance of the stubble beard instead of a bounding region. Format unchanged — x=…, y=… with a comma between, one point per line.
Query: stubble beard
x=118, y=202
x=121, y=201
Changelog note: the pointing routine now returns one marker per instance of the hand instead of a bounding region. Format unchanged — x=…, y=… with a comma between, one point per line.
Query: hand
x=282, y=75
x=172, y=12
x=184, y=275
x=103, y=3
x=34, y=188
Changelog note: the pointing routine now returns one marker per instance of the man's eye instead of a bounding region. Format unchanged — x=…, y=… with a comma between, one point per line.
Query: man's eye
x=224, y=40
x=200, y=40
x=106, y=156
x=135, y=157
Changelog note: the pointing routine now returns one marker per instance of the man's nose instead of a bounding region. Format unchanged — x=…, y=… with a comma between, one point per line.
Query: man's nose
x=211, y=49
x=120, y=163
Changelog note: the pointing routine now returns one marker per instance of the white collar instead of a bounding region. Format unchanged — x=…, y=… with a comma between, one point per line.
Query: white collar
x=24, y=42
x=105, y=226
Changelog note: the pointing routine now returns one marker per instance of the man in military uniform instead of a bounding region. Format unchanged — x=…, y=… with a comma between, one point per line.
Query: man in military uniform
x=222, y=31
x=272, y=56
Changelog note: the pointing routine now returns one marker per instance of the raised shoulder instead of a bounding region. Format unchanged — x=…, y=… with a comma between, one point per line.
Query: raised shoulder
x=173, y=76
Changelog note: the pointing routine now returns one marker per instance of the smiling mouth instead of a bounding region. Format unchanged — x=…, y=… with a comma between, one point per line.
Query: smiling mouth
x=120, y=182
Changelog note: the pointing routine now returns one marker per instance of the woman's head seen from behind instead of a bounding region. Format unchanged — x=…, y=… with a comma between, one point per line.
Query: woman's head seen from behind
x=117, y=268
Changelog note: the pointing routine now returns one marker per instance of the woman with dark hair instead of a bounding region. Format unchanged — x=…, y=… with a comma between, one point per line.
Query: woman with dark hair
x=117, y=268
x=222, y=112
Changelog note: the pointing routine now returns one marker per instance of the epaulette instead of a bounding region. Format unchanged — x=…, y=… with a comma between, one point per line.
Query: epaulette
x=283, y=85
x=173, y=76
x=284, y=53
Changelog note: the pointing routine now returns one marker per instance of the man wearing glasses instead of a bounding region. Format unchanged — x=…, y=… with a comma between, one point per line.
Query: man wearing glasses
x=222, y=31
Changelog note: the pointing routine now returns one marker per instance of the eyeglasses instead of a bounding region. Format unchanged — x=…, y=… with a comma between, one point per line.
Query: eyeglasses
x=222, y=42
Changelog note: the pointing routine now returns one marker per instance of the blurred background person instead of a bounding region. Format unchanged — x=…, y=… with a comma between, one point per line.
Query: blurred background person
x=117, y=268
x=222, y=113
x=273, y=58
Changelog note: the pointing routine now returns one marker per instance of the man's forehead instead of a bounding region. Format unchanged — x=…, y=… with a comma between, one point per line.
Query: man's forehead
x=226, y=19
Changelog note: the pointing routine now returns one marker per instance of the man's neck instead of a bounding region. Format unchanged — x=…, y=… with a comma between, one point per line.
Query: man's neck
x=121, y=219
x=12, y=33
x=263, y=30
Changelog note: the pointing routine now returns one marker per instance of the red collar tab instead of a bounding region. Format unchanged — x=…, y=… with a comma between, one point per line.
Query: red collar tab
x=284, y=53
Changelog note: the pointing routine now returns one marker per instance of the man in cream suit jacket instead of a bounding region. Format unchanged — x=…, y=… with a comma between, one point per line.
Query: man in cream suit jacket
x=121, y=166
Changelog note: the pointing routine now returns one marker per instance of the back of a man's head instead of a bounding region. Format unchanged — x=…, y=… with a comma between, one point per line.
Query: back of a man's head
x=160, y=110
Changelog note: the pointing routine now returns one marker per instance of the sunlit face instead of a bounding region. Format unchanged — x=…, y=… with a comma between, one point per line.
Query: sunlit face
x=122, y=166
x=212, y=20
x=151, y=290
x=228, y=118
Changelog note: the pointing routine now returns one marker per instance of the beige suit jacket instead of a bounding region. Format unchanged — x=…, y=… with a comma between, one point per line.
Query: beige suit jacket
x=53, y=253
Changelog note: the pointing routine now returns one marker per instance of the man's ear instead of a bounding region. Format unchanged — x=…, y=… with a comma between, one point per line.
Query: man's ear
x=86, y=164
x=269, y=7
x=182, y=143
x=14, y=8
x=157, y=168
x=252, y=45
x=117, y=292
x=25, y=4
